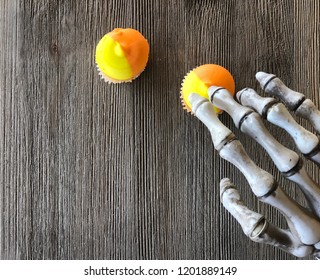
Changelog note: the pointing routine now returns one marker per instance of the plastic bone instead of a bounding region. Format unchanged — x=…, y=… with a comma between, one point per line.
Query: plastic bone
x=256, y=227
x=304, y=227
x=294, y=100
x=287, y=161
x=276, y=113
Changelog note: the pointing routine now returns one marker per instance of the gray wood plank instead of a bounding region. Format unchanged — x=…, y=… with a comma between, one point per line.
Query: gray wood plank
x=96, y=171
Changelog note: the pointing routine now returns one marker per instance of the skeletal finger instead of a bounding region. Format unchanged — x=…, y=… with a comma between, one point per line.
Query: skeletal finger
x=301, y=222
x=276, y=113
x=294, y=100
x=250, y=123
x=256, y=227
x=287, y=161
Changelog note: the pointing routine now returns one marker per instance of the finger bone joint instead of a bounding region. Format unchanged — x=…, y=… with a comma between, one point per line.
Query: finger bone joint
x=294, y=169
x=268, y=106
x=271, y=190
x=212, y=93
x=243, y=118
x=231, y=137
x=266, y=84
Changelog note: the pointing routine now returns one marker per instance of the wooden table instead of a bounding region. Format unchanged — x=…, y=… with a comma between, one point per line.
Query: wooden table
x=90, y=170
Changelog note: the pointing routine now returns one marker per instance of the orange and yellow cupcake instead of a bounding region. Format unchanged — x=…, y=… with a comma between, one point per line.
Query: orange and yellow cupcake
x=201, y=78
x=121, y=55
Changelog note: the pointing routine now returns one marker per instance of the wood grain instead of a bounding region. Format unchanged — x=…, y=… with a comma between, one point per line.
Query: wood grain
x=96, y=171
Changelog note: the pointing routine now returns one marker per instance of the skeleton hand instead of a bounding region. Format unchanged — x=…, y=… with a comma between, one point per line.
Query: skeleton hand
x=302, y=238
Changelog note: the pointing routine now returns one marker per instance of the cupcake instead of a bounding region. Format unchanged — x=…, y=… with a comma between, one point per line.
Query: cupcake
x=121, y=55
x=201, y=78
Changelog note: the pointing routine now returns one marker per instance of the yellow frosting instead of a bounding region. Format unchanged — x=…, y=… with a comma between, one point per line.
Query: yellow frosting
x=192, y=83
x=111, y=59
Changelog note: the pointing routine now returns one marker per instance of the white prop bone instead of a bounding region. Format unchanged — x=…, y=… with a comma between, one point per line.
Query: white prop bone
x=256, y=227
x=266, y=189
x=250, y=123
x=287, y=161
x=277, y=113
x=219, y=132
x=294, y=100
x=303, y=225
